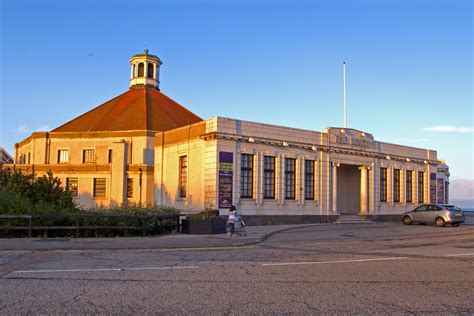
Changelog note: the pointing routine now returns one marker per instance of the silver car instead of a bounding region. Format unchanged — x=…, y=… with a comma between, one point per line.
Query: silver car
x=439, y=214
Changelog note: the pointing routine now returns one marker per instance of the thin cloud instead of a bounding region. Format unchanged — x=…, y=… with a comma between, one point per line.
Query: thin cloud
x=449, y=129
x=43, y=128
x=23, y=129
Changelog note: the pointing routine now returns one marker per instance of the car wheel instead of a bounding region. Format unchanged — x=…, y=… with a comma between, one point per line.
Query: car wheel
x=407, y=220
x=455, y=224
x=439, y=222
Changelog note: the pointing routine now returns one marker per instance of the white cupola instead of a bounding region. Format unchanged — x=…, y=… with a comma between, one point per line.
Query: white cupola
x=145, y=70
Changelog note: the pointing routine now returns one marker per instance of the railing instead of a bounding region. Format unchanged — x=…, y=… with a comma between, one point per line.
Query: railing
x=85, y=224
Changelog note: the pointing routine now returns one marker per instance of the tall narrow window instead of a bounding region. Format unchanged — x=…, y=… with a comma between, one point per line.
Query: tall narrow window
x=383, y=184
x=246, y=176
x=309, y=180
x=71, y=185
x=99, y=187
x=268, y=177
x=396, y=185
x=149, y=70
x=110, y=156
x=88, y=155
x=409, y=186
x=63, y=155
x=141, y=70
x=421, y=186
x=29, y=158
x=183, y=176
x=290, y=178
x=130, y=188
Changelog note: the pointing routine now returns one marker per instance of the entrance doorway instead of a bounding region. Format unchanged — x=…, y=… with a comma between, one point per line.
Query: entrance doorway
x=348, y=189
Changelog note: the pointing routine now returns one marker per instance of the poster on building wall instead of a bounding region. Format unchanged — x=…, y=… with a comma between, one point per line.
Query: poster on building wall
x=440, y=189
x=226, y=160
x=433, y=188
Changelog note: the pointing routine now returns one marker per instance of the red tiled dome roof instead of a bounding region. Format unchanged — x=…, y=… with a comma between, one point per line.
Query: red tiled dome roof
x=137, y=109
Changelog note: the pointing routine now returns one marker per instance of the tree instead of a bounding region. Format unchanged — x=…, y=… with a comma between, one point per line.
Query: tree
x=23, y=194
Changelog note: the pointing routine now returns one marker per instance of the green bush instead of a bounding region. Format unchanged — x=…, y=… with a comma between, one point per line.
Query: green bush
x=52, y=205
x=23, y=194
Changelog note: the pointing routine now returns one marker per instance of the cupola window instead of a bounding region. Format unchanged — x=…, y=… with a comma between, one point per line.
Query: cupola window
x=149, y=70
x=141, y=70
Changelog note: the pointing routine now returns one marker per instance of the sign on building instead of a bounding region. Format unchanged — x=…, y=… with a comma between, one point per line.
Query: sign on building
x=225, y=179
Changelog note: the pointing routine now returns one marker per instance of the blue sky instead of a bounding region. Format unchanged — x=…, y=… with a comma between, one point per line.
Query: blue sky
x=410, y=64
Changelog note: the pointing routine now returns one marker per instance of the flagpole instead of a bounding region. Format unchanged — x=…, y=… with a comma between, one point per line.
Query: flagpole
x=345, y=98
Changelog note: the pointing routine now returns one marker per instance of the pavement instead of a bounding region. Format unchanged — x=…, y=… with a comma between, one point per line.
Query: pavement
x=255, y=235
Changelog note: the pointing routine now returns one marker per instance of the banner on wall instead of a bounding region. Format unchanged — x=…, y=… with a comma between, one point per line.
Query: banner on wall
x=433, y=188
x=226, y=167
x=440, y=189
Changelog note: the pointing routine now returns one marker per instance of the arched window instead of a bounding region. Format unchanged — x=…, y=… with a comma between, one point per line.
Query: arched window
x=134, y=74
x=141, y=70
x=149, y=70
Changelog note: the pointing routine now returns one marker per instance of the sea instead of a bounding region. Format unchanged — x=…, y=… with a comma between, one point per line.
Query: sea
x=467, y=205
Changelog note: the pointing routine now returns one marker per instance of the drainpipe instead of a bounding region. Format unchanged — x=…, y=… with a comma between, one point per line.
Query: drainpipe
x=140, y=173
x=161, y=167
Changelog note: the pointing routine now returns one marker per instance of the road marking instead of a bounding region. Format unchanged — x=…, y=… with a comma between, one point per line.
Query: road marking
x=105, y=269
x=326, y=262
x=460, y=254
x=162, y=268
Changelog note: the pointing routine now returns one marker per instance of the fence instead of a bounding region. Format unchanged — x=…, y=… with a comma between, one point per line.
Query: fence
x=89, y=225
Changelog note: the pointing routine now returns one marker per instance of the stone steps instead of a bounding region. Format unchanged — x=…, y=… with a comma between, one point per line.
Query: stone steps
x=352, y=219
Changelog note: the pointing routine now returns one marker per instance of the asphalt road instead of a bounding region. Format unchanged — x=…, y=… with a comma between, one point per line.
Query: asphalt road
x=322, y=269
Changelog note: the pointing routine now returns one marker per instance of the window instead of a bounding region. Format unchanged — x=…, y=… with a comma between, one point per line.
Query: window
x=63, y=155
x=383, y=184
x=110, y=156
x=149, y=70
x=421, y=208
x=183, y=176
x=290, y=178
x=309, y=180
x=99, y=187
x=409, y=186
x=141, y=70
x=246, y=176
x=434, y=208
x=421, y=185
x=88, y=155
x=71, y=185
x=29, y=158
x=129, y=188
x=396, y=185
x=268, y=177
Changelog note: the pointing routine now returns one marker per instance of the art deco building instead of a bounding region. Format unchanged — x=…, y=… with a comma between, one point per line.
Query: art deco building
x=144, y=147
x=106, y=156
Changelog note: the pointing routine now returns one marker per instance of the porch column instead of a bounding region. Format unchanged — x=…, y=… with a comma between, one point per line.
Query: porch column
x=334, y=187
x=363, y=190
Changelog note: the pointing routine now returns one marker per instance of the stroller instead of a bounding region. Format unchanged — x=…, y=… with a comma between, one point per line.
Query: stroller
x=239, y=227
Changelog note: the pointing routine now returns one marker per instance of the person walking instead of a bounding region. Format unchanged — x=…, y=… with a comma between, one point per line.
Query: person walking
x=231, y=220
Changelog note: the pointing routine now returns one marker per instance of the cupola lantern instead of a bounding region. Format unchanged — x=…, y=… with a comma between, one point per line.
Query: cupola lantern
x=145, y=70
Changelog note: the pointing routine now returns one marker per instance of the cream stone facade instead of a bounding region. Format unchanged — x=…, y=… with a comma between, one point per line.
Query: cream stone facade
x=143, y=147
x=116, y=157
x=346, y=175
